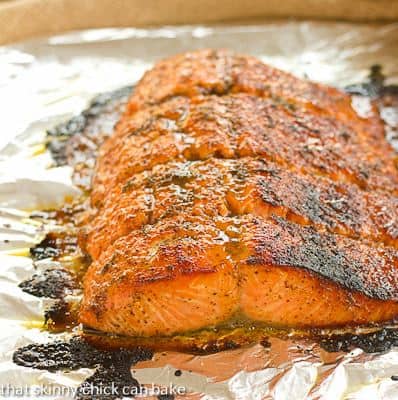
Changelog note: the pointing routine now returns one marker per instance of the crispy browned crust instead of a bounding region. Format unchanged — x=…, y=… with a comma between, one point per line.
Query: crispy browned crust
x=224, y=187
x=222, y=165
x=235, y=126
x=175, y=246
x=351, y=263
x=222, y=72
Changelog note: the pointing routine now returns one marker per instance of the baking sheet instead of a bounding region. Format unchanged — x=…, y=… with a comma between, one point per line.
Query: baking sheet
x=46, y=81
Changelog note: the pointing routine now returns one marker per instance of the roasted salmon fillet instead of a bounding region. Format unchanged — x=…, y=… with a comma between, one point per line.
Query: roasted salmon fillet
x=231, y=190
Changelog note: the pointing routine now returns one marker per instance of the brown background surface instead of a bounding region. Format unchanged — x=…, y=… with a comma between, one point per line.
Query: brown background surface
x=20, y=19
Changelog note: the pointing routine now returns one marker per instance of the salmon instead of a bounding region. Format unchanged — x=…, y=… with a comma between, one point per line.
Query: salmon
x=298, y=277
x=232, y=190
x=169, y=278
x=307, y=300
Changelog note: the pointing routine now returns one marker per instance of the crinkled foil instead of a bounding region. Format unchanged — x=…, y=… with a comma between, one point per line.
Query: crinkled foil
x=45, y=81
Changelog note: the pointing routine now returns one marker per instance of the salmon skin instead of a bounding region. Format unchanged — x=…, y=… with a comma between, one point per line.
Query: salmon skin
x=230, y=189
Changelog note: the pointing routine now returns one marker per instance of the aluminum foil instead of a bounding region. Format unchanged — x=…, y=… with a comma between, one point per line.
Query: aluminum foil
x=45, y=81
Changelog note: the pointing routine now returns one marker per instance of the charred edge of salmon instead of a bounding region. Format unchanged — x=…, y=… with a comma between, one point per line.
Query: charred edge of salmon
x=202, y=342
x=336, y=260
x=212, y=340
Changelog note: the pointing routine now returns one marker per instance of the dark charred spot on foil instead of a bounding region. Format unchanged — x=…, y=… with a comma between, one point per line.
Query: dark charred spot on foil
x=61, y=316
x=119, y=383
x=59, y=355
x=166, y=397
x=112, y=367
x=57, y=281
x=373, y=87
x=213, y=346
x=376, y=342
x=44, y=214
x=69, y=128
x=53, y=283
x=59, y=136
x=265, y=343
x=54, y=245
x=385, y=98
x=62, y=216
x=47, y=248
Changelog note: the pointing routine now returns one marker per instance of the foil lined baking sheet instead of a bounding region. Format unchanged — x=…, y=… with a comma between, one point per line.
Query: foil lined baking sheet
x=46, y=81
